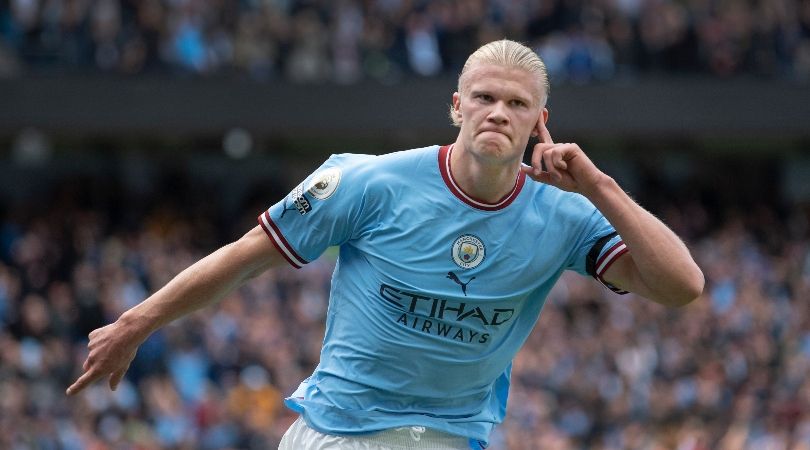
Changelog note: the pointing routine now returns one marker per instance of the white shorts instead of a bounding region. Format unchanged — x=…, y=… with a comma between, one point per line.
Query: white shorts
x=302, y=437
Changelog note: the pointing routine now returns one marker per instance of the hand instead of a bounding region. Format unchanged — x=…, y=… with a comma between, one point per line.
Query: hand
x=112, y=349
x=566, y=165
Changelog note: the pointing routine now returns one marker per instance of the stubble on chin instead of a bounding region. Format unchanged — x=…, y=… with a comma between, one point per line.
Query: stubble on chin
x=492, y=150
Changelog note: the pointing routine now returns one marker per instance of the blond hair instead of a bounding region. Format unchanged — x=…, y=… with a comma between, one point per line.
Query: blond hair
x=505, y=53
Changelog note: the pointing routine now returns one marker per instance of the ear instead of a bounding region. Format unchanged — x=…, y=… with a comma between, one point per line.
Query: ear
x=457, y=106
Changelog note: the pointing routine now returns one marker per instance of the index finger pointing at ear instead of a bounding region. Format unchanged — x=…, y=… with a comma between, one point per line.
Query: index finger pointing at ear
x=545, y=136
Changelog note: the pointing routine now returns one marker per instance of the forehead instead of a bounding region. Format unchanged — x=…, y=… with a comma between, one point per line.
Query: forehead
x=506, y=79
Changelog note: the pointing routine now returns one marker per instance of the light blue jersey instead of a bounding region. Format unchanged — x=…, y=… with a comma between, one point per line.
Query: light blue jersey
x=434, y=292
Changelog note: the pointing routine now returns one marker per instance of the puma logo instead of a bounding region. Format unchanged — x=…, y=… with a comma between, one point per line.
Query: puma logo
x=285, y=209
x=456, y=280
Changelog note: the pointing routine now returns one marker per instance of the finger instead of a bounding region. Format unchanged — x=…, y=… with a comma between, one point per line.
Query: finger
x=558, y=161
x=545, y=136
x=83, y=381
x=116, y=377
x=548, y=158
x=537, y=157
x=529, y=171
x=542, y=177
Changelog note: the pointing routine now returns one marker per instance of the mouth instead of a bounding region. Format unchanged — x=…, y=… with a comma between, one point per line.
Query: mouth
x=483, y=133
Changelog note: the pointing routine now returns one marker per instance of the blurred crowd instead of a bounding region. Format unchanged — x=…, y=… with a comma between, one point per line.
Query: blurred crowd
x=601, y=371
x=349, y=40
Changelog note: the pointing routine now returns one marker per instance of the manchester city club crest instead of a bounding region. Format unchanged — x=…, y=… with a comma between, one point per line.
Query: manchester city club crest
x=468, y=251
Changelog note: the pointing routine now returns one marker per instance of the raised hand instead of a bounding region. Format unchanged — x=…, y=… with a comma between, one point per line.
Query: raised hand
x=564, y=166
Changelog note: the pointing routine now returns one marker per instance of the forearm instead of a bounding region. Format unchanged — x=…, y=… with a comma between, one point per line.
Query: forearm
x=112, y=347
x=665, y=269
x=205, y=282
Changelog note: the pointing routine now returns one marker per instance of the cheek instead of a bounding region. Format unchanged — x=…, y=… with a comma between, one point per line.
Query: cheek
x=467, y=126
x=528, y=122
x=471, y=119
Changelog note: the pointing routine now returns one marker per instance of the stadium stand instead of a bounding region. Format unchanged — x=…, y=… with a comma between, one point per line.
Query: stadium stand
x=81, y=242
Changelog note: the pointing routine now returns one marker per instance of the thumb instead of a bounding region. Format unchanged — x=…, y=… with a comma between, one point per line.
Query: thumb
x=542, y=177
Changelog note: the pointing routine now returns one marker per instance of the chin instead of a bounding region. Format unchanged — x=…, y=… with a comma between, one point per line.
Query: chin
x=499, y=145
x=495, y=152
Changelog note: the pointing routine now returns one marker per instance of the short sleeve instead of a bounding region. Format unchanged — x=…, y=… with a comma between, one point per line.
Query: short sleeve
x=320, y=212
x=598, y=248
x=602, y=255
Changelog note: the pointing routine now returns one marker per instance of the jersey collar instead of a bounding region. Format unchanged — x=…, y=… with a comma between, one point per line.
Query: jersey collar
x=447, y=175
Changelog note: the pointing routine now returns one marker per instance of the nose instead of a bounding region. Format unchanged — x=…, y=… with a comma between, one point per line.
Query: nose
x=498, y=114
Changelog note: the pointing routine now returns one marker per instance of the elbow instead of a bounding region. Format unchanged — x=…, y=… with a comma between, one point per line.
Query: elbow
x=689, y=291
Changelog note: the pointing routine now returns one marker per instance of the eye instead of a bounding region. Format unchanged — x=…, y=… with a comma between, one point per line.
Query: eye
x=519, y=103
x=484, y=98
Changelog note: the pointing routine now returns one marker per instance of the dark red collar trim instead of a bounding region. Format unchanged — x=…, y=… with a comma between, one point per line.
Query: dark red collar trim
x=447, y=175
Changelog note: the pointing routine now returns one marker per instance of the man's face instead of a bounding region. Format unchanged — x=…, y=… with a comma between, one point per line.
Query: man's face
x=500, y=108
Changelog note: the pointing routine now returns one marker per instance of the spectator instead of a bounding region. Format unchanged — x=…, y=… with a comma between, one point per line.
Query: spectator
x=348, y=40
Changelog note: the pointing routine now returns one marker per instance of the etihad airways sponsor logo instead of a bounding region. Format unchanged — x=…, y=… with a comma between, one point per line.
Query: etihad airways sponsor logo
x=442, y=317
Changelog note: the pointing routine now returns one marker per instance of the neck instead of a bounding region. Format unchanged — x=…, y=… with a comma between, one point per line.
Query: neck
x=488, y=181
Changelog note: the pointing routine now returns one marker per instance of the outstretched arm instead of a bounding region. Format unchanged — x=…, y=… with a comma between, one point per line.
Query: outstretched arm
x=658, y=265
x=112, y=348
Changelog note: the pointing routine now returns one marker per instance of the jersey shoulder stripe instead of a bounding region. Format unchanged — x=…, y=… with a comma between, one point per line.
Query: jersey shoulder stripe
x=280, y=242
